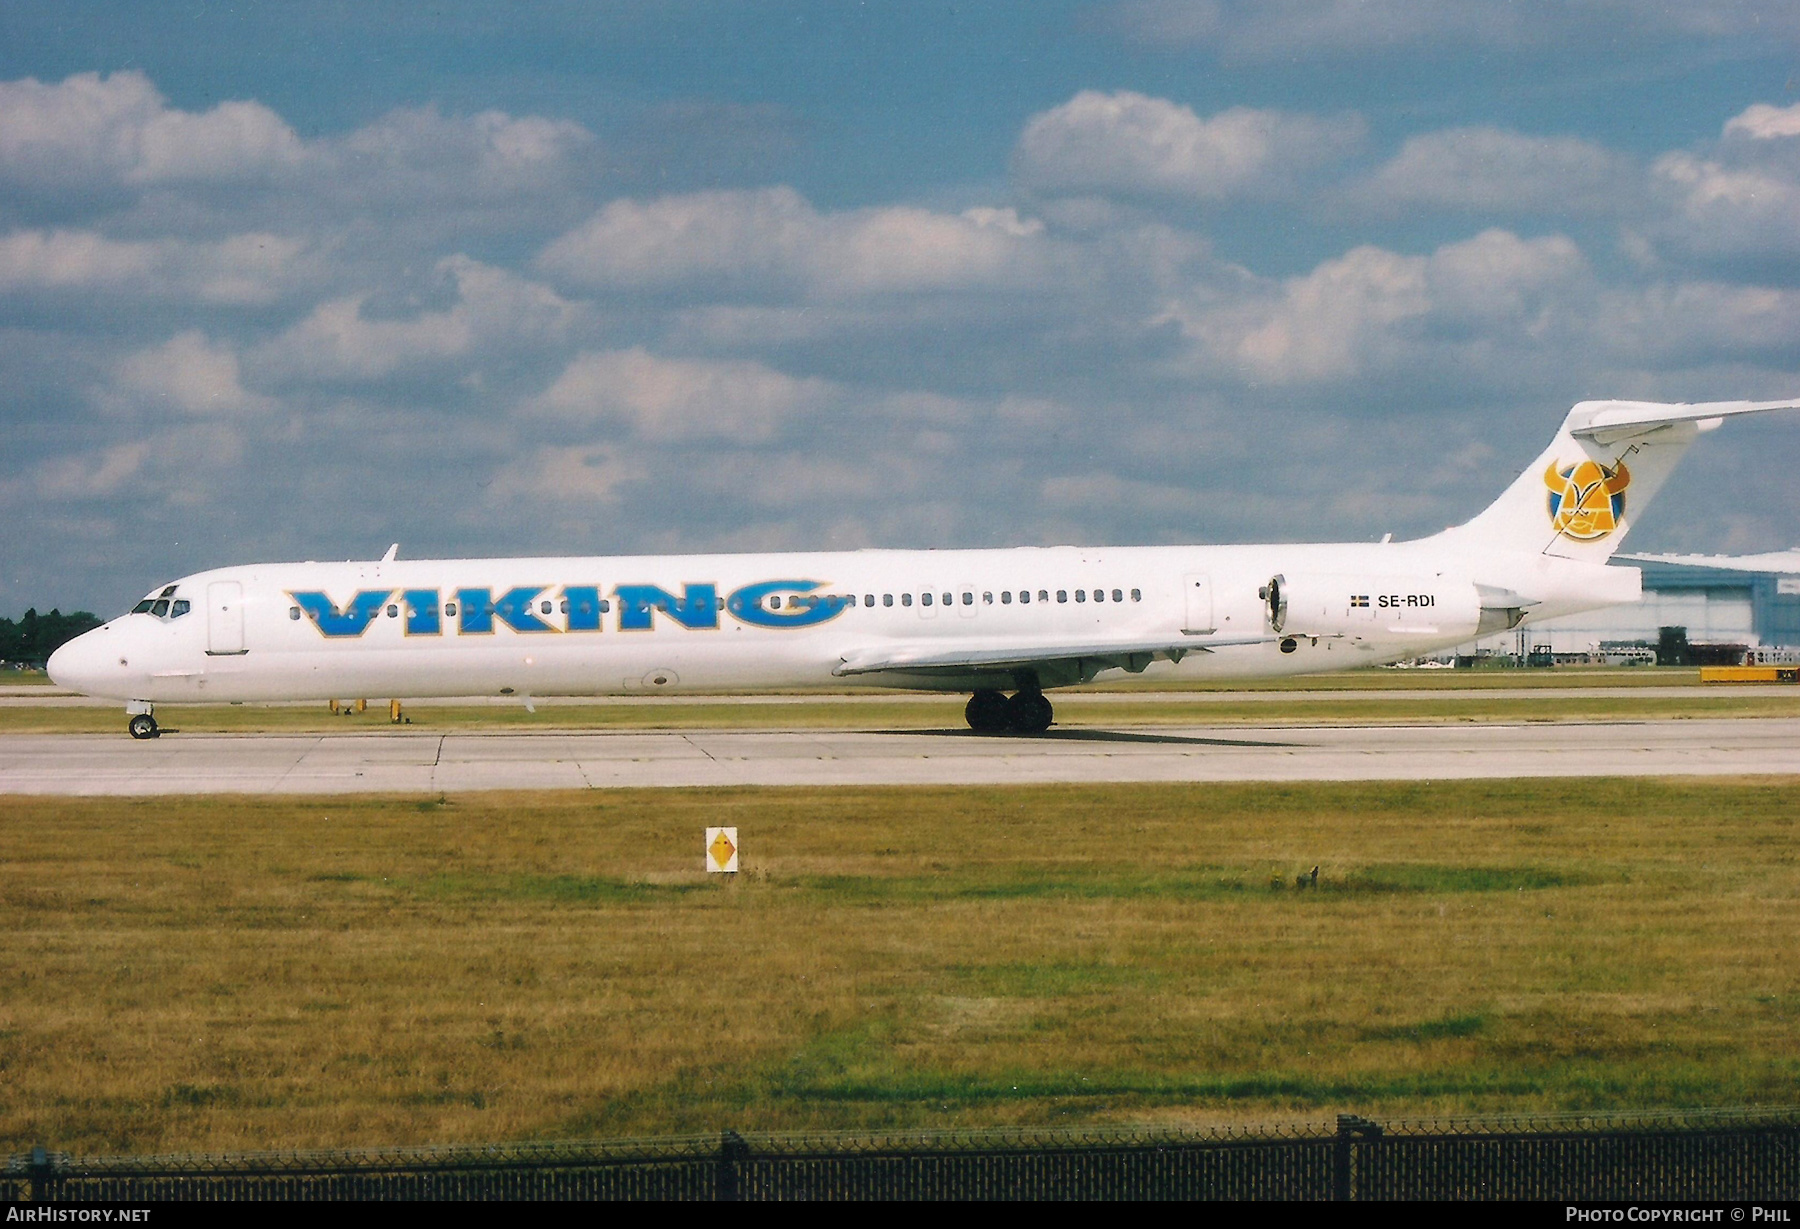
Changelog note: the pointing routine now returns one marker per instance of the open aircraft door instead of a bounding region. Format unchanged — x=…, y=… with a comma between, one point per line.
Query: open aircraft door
x=1198, y=619
x=225, y=619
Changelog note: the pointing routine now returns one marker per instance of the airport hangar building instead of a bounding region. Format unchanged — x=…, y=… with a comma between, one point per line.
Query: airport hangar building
x=1749, y=600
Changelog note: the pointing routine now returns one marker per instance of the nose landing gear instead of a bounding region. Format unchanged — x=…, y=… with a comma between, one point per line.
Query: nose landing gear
x=991, y=712
x=143, y=725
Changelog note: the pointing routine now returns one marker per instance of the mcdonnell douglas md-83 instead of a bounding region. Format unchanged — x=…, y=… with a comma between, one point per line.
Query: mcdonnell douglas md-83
x=1003, y=625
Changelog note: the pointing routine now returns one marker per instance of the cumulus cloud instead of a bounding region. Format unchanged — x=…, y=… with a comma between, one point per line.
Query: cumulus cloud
x=102, y=475
x=44, y=260
x=492, y=310
x=1131, y=143
x=670, y=399
x=1372, y=309
x=187, y=375
x=1337, y=319
x=1734, y=202
x=774, y=237
x=589, y=473
x=1763, y=122
x=91, y=128
x=1504, y=282
x=1494, y=169
x=485, y=156
x=1728, y=207
x=1678, y=324
x=106, y=144
x=239, y=270
x=167, y=468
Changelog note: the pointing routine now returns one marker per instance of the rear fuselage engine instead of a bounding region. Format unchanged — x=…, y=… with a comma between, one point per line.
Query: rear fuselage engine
x=1385, y=608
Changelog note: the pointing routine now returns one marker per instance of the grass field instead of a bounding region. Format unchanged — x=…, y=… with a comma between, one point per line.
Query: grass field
x=242, y=973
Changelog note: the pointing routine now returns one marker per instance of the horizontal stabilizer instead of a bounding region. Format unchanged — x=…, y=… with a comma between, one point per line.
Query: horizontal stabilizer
x=1607, y=422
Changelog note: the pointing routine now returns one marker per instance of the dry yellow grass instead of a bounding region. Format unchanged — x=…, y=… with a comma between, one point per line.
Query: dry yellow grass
x=242, y=972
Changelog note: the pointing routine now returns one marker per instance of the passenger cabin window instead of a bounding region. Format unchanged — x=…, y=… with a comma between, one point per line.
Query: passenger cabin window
x=393, y=611
x=987, y=599
x=1062, y=595
x=1006, y=597
x=1043, y=595
x=450, y=609
x=294, y=613
x=949, y=599
x=1137, y=595
x=543, y=607
x=968, y=599
x=1081, y=595
x=868, y=599
x=887, y=599
x=906, y=599
x=925, y=598
x=1117, y=596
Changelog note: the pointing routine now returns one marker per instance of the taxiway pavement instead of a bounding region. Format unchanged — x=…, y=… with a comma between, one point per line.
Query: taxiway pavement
x=403, y=761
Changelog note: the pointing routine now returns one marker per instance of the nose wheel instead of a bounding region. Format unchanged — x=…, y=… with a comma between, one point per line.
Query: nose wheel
x=143, y=726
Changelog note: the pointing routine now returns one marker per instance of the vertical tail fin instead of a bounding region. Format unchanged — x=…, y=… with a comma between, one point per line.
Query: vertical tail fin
x=1581, y=497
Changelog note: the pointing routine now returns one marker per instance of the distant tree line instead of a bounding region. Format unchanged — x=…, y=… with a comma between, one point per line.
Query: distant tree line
x=35, y=636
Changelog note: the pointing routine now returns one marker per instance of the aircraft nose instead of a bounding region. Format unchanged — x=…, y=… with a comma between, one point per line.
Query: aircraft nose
x=80, y=665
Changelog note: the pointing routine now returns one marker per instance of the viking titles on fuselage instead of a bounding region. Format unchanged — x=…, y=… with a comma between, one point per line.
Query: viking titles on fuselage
x=577, y=608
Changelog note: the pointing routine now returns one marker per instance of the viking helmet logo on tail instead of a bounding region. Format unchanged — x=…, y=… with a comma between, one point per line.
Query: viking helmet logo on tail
x=1587, y=500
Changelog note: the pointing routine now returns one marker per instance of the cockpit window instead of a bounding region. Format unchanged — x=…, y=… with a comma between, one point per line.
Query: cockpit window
x=142, y=607
x=181, y=607
x=169, y=592
x=160, y=607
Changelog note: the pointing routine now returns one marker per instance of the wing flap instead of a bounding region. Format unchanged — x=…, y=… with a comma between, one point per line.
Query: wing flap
x=924, y=658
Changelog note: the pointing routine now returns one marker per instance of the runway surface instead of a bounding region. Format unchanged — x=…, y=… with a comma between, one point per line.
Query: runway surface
x=400, y=761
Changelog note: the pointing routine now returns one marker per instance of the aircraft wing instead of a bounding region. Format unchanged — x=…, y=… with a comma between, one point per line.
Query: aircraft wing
x=1085, y=658
x=1606, y=422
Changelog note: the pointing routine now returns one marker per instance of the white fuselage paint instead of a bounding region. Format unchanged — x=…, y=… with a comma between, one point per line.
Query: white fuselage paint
x=251, y=648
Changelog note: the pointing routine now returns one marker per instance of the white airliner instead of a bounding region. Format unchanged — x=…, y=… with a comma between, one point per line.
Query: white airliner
x=988, y=622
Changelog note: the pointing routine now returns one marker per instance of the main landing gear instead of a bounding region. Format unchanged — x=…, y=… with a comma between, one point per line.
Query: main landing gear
x=1026, y=712
x=143, y=725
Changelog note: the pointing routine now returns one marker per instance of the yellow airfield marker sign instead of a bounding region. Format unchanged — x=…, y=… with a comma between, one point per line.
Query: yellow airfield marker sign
x=722, y=851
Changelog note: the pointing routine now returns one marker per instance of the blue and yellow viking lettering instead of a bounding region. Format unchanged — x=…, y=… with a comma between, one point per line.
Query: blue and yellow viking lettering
x=478, y=607
x=584, y=607
x=697, y=608
x=514, y=609
x=474, y=611
x=422, y=612
x=747, y=605
x=353, y=620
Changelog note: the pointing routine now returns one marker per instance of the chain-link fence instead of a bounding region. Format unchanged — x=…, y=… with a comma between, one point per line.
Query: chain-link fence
x=1712, y=1155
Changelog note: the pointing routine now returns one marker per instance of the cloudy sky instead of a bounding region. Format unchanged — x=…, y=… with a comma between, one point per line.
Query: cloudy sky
x=285, y=282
